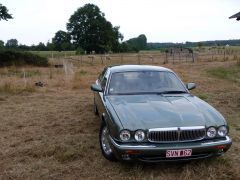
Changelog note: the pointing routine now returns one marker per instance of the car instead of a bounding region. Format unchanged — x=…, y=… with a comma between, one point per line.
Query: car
x=148, y=114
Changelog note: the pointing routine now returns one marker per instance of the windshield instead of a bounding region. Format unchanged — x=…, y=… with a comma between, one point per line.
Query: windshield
x=145, y=82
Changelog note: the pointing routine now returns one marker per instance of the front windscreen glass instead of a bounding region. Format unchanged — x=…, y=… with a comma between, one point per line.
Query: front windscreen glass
x=145, y=82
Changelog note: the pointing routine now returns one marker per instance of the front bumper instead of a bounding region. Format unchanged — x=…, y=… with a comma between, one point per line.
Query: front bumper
x=156, y=152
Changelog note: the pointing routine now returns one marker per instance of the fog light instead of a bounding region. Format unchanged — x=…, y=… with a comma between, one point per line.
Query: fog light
x=125, y=157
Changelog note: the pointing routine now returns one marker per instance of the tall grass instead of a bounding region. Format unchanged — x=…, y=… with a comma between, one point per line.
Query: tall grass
x=11, y=88
x=232, y=73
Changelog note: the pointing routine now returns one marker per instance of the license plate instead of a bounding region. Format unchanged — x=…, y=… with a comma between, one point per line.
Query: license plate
x=178, y=153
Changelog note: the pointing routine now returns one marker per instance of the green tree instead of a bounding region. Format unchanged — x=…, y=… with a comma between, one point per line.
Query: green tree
x=12, y=43
x=200, y=44
x=50, y=46
x=4, y=15
x=1, y=44
x=62, y=41
x=138, y=43
x=91, y=31
x=41, y=47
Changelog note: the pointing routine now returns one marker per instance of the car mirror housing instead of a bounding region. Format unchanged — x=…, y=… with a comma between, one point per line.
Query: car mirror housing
x=96, y=88
x=191, y=86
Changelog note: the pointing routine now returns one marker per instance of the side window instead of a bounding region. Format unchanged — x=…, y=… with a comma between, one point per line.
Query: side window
x=104, y=79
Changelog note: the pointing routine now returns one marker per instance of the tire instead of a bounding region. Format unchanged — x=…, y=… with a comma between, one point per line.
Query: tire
x=104, y=144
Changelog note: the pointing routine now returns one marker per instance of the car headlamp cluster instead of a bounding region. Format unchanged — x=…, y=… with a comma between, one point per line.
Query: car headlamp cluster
x=221, y=131
x=125, y=135
x=139, y=135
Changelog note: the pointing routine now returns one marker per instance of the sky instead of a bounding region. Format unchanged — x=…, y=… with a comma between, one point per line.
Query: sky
x=160, y=20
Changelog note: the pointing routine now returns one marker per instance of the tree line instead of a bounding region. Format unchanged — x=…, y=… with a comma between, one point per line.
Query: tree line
x=88, y=31
x=215, y=43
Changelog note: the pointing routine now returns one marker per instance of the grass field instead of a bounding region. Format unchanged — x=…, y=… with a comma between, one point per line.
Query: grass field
x=54, y=54
x=50, y=132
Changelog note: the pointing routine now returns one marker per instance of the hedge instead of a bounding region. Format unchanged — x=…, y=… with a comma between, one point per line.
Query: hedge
x=18, y=58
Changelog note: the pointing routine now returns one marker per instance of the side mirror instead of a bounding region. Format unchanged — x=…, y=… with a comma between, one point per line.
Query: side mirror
x=96, y=88
x=191, y=86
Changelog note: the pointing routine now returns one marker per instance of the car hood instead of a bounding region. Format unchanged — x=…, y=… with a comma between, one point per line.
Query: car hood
x=157, y=111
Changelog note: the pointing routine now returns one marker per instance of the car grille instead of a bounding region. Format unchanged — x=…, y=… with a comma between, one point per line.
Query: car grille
x=177, y=134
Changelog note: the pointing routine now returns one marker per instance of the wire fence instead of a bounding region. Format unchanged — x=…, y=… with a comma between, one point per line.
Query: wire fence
x=154, y=58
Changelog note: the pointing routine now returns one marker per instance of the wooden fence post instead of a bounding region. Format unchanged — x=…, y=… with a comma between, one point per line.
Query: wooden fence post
x=173, y=56
x=139, y=59
x=91, y=57
x=224, y=56
x=166, y=60
x=121, y=59
x=193, y=59
x=151, y=58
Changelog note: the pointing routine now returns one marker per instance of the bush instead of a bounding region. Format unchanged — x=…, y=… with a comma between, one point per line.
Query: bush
x=17, y=58
x=80, y=51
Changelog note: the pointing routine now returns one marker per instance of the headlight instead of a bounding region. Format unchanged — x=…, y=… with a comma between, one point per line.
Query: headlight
x=125, y=135
x=222, y=131
x=211, y=132
x=139, y=135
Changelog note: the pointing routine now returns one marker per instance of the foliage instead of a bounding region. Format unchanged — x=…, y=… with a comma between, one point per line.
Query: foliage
x=1, y=44
x=62, y=41
x=139, y=43
x=235, y=42
x=92, y=32
x=9, y=58
x=80, y=51
x=4, y=15
x=134, y=44
x=12, y=43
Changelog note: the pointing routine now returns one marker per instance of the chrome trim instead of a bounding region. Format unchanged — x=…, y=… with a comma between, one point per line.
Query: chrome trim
x=164, y=129
x=178, y=130
x=150, y=147
x=192, y=127
x=228, y=139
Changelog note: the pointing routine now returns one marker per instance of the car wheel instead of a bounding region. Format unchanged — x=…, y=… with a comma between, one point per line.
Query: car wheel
x=104, y=143
x=95, y=110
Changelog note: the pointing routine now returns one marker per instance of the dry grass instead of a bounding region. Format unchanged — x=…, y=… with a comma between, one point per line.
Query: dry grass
x=52, y=133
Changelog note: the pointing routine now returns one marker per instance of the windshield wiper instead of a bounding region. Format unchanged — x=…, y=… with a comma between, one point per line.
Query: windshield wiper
x=173, y=92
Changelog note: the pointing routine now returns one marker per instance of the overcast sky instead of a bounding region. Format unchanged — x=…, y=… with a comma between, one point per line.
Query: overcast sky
x=160, y=20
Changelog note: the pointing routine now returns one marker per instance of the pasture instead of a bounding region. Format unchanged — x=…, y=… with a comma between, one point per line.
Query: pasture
x=50, y=132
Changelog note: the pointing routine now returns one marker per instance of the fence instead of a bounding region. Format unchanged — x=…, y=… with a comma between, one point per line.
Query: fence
x=154, y=58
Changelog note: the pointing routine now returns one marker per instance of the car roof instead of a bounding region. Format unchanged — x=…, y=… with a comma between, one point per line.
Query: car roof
x=125, y=68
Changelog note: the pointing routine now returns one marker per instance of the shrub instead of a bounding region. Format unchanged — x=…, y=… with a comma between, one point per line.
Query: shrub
x=80, y=51
x=17, y=58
